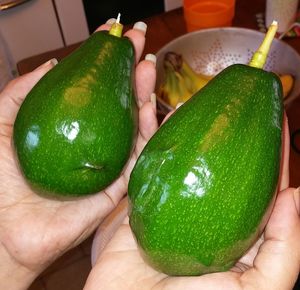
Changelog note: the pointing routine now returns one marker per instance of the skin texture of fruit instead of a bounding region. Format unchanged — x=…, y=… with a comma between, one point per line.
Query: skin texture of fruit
x=202, y=188
x=76, y=129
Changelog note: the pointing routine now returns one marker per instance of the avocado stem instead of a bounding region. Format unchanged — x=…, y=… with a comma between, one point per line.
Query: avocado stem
x=260, y=56
x=117, y=28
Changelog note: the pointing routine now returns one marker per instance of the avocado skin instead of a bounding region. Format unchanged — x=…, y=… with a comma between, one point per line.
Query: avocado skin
x=77, y=127
x=202, y=189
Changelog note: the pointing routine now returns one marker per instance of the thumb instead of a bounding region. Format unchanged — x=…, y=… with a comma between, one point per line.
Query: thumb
x=15, y=92
x=278, y=259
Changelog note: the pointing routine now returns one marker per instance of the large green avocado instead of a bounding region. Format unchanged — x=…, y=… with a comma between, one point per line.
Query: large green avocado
x=203, y=186
x=77, y=127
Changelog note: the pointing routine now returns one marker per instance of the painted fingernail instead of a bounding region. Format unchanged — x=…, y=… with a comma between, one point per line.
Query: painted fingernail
x=111, y=21
x=51, y=62
x=153, y=100
x=297, y=199
x=142, y=26
x=178, y=105
x=151, y=57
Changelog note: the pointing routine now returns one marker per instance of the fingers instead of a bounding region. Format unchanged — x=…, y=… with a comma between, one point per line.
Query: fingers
x=147, y=124
x=284, y=167
x=136, y=35
x=285, y=215
x=15, y=92
x=145, y=77
x=107, y=25
x=145, y=83
x=278, y=259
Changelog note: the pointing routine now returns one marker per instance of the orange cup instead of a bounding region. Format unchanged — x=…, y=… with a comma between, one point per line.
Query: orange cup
x=199, y=14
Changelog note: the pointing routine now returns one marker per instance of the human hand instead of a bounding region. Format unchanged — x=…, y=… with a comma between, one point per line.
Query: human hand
x=34, y=231
x=272, y=263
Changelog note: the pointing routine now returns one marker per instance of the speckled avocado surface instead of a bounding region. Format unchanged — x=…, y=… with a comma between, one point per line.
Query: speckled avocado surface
x=201, y=189
x=77, y=127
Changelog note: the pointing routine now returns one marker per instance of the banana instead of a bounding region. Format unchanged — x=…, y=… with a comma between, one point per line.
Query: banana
x=180, y=81
x=183, y=91
x=287, y=81
x=173, y=90
x=194, y=81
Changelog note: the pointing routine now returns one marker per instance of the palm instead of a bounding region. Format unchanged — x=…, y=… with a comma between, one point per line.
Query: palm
x=29, y=221
x=120, y=266
x=36, y=230
x=122, y=259
x=33, y=226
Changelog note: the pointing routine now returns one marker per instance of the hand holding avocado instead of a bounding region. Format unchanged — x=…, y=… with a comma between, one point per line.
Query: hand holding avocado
x=35, y=231
x=77, y=127
x=272, y=263
x=205, y=184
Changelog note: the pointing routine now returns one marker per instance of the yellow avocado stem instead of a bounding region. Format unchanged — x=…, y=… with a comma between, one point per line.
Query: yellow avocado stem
x=260, y=56
x=117, y=28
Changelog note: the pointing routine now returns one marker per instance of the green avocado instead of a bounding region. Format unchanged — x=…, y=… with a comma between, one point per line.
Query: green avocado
x=77, y=127
x=204, y=185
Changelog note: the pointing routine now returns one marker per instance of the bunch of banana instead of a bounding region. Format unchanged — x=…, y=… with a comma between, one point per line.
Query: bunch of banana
x=180, y=81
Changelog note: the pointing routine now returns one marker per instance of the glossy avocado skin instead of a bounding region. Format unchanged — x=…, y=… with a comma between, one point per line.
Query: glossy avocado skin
x=77, y=127
x=203, y=185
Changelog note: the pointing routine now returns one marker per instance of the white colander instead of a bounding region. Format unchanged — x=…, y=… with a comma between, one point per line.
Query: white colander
x=210, y=50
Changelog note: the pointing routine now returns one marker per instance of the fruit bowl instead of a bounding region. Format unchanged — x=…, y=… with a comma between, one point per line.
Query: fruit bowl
x=210, y=50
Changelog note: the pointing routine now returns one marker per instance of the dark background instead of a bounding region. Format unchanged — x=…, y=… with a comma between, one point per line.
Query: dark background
x=98, y=12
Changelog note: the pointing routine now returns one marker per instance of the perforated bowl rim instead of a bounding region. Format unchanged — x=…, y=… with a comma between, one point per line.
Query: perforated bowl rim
x=225, y=30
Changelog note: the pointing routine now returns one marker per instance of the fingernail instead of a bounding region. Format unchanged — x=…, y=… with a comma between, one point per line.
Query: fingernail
x=139, y=103
x=142, y=26
x=178, y=105
x=153, y=100
x=297, y=199
x=151, y=57
x=111, y=21
x=53, y=62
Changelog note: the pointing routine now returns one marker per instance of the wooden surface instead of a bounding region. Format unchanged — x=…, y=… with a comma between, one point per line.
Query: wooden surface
x=164, y=27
